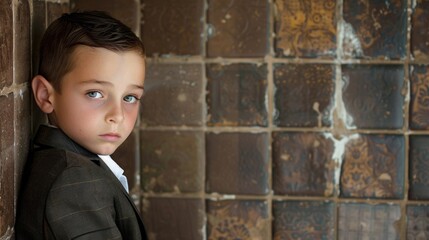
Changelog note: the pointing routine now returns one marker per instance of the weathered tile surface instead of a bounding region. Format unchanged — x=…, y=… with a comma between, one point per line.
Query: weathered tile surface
x=302, y=164
x=6, y=163
x=365, y=221
x=419, y=30
x=237, y=163
x=173, y=95
x=373, y=167
x=419, y=107
x=305, y=28
x=172, y=161
x=419, y=167
x=236, y=95
x=174, y=218
x=418, y=222
x=22, y=53
x=56, y=9
x=373, y=95
x=237, y=28
x=6, y=43
x=172, y=27
x=238, y=219
x=125, y=10
x=304, y=94
x=297, y=220
x=374, y=29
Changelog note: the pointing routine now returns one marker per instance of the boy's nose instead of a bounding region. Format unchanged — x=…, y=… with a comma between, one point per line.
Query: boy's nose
x=115, y=113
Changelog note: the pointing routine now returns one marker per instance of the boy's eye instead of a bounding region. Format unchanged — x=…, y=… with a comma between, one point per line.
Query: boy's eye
x=94, y=94
x=130, y=99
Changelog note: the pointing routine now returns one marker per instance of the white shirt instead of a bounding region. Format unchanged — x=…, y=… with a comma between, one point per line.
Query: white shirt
x=116, y=169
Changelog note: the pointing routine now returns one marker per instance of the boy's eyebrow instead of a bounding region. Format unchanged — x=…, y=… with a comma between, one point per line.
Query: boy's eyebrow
x=108, y=83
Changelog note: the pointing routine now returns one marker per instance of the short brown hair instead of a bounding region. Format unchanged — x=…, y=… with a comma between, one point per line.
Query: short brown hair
x=91, y=28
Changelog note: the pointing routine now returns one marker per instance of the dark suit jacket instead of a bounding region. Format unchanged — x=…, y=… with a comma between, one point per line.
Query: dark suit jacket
x=70, y=193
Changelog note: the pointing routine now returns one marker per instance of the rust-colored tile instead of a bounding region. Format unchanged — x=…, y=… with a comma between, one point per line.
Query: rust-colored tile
x=302, y=164
x=173, y=95
x=304, y=94
x=238, y=28
x=305, y=28
x=297, y=220
x=172, y=161
x=22, y=45
x=366, y=221
x=56, y=9
x=373, y=96
x=172, y=27
x=419, y=31
x=373, y=167
x=237, y=163
x=126, y=11
x=174, y=218
x=238, y=219
x=418, y=222
x=374, y=29
x=419, y=166
x=236, y=95
x=419, y=108
x=6, y=43
x=126, y=157
x=6, y=162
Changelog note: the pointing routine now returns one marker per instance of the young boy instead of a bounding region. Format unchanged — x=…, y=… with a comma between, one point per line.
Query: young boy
x=90, y=80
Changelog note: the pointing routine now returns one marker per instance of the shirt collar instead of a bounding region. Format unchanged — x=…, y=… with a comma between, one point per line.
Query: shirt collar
x=113, y=166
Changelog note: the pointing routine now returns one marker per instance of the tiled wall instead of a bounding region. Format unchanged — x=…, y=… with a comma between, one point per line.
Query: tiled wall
x=286, y=119
x=262, y=119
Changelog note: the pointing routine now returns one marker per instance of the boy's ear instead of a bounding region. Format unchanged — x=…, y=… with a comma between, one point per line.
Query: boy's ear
x=43, y=93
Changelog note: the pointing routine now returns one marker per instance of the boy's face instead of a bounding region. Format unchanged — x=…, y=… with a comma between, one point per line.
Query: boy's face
x=99, y=100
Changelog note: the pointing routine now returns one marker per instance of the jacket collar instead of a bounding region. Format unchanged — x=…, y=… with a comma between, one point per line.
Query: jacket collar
x=48, y=136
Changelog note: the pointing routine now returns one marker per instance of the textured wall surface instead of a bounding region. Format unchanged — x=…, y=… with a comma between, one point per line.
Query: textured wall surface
x=262, y=119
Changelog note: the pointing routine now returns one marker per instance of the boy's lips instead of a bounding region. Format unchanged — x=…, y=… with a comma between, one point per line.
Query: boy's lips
x=111, y=137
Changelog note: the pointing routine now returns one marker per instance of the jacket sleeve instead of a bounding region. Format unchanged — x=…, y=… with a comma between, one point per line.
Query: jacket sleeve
x=80, y=205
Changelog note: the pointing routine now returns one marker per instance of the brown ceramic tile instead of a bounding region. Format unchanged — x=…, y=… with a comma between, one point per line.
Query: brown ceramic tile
x=238, y=219
x=236, y=94
x=38, y=26
x=365, y=221
x=126, y=157
x=126, y=11
x=174, y=218
x=6, y=162
x=172, y=161
x=6, y=43
x=304, y=95
x=305, y=28
x=419, y=166
x=172, y=27
x=173, y=95
x=302, y=164
x=237, y=28
x=237, y=163
x=419, y=110
x=373, y=167
x=373, y=95
x=56, y=9
x=374, y=29
x=22, y=45
x=419, y=30
x=418, y=222
x=296, y=220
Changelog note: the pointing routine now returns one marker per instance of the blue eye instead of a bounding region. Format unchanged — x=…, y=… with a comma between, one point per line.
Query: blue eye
x=94, y=94
x=130, y=99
